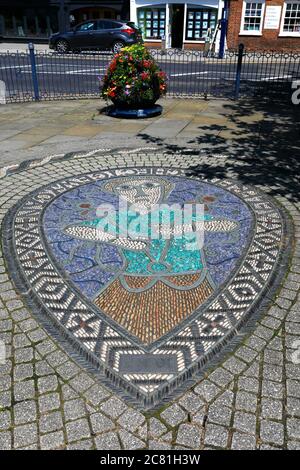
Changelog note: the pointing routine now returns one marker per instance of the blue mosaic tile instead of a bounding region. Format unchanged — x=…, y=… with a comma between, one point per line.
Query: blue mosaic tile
x=222, y=250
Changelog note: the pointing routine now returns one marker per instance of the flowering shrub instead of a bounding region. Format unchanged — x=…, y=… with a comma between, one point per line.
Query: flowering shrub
x=133, y=79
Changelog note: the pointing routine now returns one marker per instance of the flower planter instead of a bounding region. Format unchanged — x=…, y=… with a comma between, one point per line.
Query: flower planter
x=134, y=82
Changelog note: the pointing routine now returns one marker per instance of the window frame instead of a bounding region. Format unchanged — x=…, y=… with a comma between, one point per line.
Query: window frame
x=245, y=32
x=146, y=9
x=283, y=33
x=202, y=10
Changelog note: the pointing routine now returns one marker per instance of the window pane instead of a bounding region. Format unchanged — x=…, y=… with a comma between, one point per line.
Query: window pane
x=152, y=22
x=201, y=23
x=252, y=16
x=86, y=26
x=292, y=18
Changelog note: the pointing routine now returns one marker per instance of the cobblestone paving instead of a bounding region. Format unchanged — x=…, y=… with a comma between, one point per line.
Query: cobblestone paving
x=250, y=401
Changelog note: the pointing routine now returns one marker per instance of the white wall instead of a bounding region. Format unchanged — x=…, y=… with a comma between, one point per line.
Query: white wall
x=135, y=4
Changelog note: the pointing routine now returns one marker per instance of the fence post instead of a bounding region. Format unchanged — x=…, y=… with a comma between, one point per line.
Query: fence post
x=238, y=71
x=33, y=72
x=223, y=24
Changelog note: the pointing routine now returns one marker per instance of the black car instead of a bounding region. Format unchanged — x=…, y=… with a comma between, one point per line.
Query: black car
x=96, y=34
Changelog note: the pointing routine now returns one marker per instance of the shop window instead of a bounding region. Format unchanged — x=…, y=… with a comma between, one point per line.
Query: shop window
x=200, y=23
x=152, y=22
x=28, y=23
x=291, y=21
x=252, y=17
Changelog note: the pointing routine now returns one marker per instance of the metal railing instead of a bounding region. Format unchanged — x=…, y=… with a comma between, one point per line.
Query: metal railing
x=33, y=76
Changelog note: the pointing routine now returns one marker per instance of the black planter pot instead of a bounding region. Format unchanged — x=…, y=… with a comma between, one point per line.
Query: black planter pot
x=120, y=104
x=135, y=113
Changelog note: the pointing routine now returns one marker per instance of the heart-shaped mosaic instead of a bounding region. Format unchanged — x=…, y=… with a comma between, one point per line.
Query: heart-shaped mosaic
x=147, y=300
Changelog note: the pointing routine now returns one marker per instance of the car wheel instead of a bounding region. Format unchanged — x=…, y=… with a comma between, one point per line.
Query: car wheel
x=62, y=46
x=117, y=46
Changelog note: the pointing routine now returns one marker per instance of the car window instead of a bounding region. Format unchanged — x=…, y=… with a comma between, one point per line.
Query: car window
x=132, y=25
x=86, y=26
x=102, y=24
x=112, y=25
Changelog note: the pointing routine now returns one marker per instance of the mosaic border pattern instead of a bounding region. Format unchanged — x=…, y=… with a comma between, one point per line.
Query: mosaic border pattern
x=260, y=271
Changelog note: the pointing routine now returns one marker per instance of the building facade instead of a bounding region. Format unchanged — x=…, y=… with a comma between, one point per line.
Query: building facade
x=39, y=18
x=264, y=25
x=258, y=24
x=176, y=24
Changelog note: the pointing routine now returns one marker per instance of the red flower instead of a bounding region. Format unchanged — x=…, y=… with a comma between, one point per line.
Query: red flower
x=113, y=66
x=145, y=75
x=112, y=91
x=161, y=74
x=147, y=64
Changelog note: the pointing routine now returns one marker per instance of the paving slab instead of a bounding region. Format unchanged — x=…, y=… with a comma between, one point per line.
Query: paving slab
x=166, y=127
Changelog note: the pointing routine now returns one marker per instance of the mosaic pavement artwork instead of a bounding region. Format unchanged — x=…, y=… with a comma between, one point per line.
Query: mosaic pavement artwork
x=145, y=313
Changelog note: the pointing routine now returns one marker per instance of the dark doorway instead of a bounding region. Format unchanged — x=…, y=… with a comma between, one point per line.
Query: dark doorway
x=177, y=26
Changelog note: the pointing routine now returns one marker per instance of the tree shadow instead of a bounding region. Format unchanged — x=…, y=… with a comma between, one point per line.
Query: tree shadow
x=263, y=148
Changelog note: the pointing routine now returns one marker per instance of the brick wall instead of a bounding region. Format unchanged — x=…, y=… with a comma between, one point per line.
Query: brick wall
x=192, y=45
x=153, y=45
x=269, y=39
x=186, y=45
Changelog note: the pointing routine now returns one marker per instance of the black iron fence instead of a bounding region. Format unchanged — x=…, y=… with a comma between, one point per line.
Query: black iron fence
x=32, y=75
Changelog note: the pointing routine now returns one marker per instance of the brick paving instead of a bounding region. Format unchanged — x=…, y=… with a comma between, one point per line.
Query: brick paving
x=249, y=401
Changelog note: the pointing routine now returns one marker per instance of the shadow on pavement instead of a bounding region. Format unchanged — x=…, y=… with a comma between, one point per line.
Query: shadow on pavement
x=263, y=151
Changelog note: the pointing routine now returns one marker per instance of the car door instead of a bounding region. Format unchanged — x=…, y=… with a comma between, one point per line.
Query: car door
x=111, y=32
x=100, y=40
x=83, y=36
